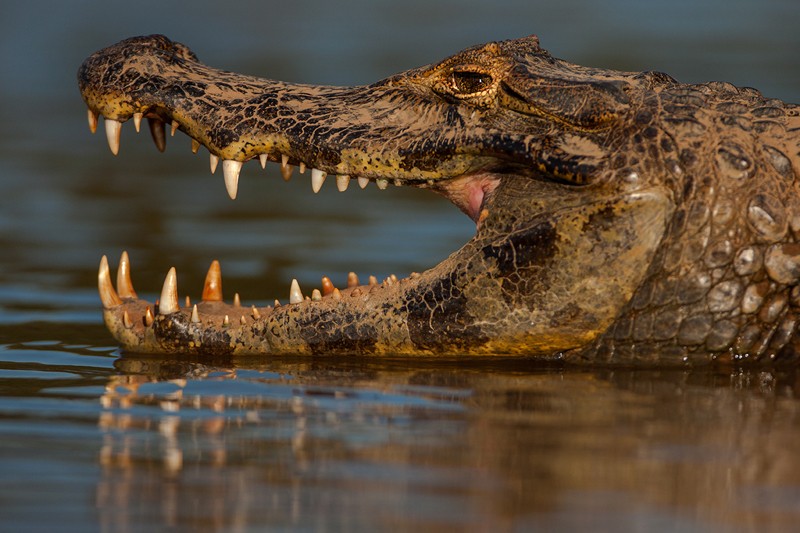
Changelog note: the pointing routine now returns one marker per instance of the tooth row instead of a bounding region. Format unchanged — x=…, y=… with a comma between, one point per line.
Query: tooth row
x=230, y=168
x=168, y=302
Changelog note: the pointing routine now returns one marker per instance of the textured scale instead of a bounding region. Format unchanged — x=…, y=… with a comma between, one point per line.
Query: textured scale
x=621, y=217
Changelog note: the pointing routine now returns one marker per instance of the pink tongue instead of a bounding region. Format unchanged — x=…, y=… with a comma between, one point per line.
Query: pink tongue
x=467, y=193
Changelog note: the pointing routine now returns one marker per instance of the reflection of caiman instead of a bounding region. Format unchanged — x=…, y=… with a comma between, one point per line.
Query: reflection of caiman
x=621, y=217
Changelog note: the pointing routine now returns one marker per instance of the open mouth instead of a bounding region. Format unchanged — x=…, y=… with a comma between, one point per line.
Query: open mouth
x=468, y=193
x=136, y=323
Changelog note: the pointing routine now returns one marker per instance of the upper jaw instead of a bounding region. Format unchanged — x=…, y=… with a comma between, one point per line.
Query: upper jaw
x=373, y=133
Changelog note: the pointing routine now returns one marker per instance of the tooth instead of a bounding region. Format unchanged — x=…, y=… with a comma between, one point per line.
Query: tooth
x=107, y=294
x=188, y=301
x=263, y=159
x=373, y=280
x=277, y=303
x=295, y=296
x=157, y=133
x=195, y=316
x=284, y=160
x=92, y=116
x=286, y=172
x=236, y=301
x=242, y=320
x=148, y=317
x=302, y=168
x=317, y=179
x=231, y=169
x=137, y=121
x=363, y=182
x=327, y=286
x=316, y=295
x=336, y=295
x=174, y=128
x=226, y=321
x=195, y=146
x=397, y=182
x=126, y=320
x=214, y=162
x=255, y=313
x=212, y=288
x=342, y=182
x=352, y=280
x=355, y=292
x=124, y=285
x=382, y=183
x=113, y=131
x=168, y=303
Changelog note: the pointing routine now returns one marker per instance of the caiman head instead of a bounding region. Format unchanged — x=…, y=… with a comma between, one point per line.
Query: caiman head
x=535, y=150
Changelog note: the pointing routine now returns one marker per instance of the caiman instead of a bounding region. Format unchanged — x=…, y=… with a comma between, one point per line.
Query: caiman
x=620, y=217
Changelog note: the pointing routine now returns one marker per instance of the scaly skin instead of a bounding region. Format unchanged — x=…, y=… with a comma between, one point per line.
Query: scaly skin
x=621, y=217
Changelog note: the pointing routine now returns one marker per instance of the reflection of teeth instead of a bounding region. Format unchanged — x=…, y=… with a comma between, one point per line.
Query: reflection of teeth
x=342, y=183
x=214, y=161
x=230, y=170
x=363, y=182
x=113, y=131
x=295, y=295
x=317, y=179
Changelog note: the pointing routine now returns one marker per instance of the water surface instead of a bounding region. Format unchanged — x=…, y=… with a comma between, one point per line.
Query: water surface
x=93, y=439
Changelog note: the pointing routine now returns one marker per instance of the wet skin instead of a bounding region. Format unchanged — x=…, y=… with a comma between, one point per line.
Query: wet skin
x=620, y=217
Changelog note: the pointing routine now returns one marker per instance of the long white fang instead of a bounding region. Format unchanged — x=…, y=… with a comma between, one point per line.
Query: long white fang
x=284, y=160
x=113, y=131
x=317, y=179
x=262, y=158
x=342, y=182
x=230, y=170
x=295, y=295
x=92, y=116
x=382, y=183
x=168, y=303
x=137, y=121
x=214, y=160
x=363, y=182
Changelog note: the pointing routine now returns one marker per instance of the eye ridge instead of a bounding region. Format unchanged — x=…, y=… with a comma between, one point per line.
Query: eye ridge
x=470, y=81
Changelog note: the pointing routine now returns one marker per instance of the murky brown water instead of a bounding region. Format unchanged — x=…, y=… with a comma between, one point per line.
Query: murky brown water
x=91, y=439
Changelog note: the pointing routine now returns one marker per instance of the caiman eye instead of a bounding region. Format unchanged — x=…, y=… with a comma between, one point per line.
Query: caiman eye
x=467, y=82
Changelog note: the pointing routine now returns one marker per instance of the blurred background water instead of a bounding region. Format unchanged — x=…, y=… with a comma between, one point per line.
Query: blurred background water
x=93, y=440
